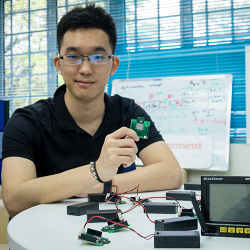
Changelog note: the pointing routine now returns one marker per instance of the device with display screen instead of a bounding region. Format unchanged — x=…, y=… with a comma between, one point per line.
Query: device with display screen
x=225, y=203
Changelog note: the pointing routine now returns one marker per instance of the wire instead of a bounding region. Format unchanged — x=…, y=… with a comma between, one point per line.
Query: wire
x=148, y=237
x=116, y=189
x=117, y=193
x=136, y=187
x=126, y=192
x=138, y=203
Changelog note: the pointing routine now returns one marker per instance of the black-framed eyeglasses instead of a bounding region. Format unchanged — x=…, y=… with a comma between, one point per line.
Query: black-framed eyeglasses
x=93, y=59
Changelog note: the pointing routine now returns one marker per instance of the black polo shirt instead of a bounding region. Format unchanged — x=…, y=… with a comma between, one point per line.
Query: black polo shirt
x=45, y=133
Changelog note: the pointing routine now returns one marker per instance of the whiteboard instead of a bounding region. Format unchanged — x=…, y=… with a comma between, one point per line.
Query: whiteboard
x=191, y=112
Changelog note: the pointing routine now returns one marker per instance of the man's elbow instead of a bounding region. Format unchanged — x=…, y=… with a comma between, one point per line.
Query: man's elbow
x=178, y=180
x=175, y=176
x=13, y=204
x=10, y=206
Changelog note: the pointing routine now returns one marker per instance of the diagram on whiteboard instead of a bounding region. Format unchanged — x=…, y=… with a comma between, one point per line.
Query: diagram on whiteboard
x=192, y=113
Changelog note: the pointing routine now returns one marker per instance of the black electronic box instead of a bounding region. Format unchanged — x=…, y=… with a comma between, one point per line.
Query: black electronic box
x=225, y=203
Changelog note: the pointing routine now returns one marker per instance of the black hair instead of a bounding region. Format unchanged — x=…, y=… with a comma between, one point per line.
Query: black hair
x=87, y=17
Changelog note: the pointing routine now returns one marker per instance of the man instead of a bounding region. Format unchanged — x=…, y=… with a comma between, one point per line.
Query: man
x=77, y=142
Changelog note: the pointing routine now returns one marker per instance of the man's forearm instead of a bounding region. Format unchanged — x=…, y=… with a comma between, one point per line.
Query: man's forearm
x=50, y=189
x=149, y=178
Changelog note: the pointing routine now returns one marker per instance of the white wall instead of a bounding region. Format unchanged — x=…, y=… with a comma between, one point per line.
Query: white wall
x=239, y=163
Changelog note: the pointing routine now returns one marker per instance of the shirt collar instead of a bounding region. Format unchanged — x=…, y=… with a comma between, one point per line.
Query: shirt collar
x=65, y=120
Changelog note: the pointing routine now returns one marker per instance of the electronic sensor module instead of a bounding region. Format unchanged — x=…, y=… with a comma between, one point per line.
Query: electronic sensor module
x=141, y=127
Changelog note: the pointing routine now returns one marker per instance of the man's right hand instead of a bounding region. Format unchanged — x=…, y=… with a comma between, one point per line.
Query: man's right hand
x=119, y=148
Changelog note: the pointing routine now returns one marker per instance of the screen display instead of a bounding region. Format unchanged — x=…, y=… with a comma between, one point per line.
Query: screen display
x=229, y=203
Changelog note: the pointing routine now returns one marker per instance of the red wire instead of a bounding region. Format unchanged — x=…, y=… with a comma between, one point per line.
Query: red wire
x=148, y=237
x=138, y=203
x=130, y=190
x=119, y=198
x=152, y=197
x=116, y=189
x=136, y=187
x=110, y=198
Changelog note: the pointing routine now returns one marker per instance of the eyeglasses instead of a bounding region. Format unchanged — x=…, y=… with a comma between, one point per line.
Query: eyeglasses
x=93, y=59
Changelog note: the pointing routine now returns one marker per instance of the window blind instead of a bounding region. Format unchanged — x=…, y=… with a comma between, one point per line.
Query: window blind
x=155, y=38
x=159, y=38
x=25, y=52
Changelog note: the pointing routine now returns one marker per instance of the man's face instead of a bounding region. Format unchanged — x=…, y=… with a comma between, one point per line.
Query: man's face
x=86, y=81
